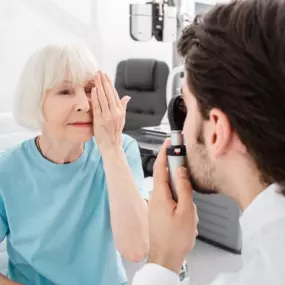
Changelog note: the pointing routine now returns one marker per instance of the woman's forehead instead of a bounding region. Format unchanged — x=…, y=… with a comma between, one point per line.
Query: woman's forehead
x=70, y=80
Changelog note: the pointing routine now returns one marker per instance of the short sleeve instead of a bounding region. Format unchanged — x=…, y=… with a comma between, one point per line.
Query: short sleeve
x=134, y=159
x=3, y=221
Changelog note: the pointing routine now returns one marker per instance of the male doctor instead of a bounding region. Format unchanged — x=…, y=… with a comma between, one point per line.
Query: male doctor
x=235, y=138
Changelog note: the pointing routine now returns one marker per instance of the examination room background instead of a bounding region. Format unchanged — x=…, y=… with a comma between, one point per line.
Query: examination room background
x=103, y=25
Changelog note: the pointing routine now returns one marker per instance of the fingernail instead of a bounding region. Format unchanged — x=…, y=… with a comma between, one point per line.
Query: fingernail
x=127, y=98
x=183, y=172
x=167, y=142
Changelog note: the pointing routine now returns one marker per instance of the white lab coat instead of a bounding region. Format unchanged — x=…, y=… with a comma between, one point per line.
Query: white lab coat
x=263, y=232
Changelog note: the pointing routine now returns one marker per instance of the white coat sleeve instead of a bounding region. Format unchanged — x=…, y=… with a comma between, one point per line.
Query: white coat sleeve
x=153, y=274
x=256, y=271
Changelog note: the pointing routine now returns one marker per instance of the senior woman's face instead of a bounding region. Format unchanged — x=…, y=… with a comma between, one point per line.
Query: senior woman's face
x=67, y=111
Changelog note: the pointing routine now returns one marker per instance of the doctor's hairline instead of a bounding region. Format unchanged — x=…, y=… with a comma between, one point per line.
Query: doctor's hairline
x=47, y=67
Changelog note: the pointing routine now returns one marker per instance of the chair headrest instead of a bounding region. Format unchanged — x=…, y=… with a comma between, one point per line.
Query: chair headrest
x=139, y=74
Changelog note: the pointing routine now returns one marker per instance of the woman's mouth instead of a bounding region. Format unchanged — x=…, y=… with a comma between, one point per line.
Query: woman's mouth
x=81, y=124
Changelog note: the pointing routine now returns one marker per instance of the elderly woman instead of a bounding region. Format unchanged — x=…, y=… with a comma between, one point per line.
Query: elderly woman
x=71, y=201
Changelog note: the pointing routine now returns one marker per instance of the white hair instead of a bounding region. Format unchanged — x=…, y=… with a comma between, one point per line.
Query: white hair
x=45, y=68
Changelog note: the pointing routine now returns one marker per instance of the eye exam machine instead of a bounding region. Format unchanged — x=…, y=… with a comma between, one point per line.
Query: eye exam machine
x=163, y=21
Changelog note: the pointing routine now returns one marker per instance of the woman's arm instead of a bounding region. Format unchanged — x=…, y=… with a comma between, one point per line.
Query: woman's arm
x=129, y=217
x=128, y=210
x=6, y=281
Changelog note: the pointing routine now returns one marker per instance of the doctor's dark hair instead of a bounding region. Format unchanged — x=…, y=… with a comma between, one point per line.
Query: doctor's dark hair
x=235, y=61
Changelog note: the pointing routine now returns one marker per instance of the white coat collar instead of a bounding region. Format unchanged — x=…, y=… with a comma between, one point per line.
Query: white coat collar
x=268, y=206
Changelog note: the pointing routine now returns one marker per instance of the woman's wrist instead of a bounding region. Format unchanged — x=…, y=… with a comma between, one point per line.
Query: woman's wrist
x=112, y=152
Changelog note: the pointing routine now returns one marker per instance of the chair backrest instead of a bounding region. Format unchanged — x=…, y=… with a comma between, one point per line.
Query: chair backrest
x=144, y=80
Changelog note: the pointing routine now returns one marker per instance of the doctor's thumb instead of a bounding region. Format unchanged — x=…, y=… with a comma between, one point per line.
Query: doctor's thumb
x=183, y=185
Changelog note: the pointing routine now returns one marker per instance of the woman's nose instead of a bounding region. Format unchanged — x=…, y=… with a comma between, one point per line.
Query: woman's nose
x=83, y=103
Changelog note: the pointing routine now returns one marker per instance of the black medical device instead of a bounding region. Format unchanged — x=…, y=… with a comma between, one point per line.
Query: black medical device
x=176, y=152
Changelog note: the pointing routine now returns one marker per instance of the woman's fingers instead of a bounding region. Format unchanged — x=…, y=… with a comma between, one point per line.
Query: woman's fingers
x=103, y=102
x=124, y=102
x=108, y=98
x=95, y=102
x=115, y=93
x=109, y=91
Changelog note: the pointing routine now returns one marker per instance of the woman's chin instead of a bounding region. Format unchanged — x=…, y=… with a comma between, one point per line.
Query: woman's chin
x=80, y=137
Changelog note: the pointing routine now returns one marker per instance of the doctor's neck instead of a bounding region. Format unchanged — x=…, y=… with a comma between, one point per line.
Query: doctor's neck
x=58, y=151
x=243, y=183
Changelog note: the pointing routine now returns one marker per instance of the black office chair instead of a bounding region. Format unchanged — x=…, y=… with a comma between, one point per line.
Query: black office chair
x=144, y=80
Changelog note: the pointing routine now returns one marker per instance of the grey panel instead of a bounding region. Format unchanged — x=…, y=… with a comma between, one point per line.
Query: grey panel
x=219, y=220
x=201, y=8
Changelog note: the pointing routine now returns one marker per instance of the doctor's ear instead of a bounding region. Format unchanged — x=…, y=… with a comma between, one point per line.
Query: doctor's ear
x=223, y=137
x=219, y=132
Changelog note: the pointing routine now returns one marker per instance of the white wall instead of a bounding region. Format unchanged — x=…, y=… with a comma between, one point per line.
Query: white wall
x=25, y=25
x=117, y=43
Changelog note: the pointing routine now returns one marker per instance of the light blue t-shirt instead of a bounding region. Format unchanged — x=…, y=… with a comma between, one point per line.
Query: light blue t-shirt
x=56, y=217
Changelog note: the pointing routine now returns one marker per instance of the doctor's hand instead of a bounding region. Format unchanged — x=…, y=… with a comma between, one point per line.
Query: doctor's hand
x=109, y=113
x=173, y=226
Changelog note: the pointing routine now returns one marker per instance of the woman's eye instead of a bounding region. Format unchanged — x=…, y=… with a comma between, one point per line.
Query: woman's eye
x=65, y=92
